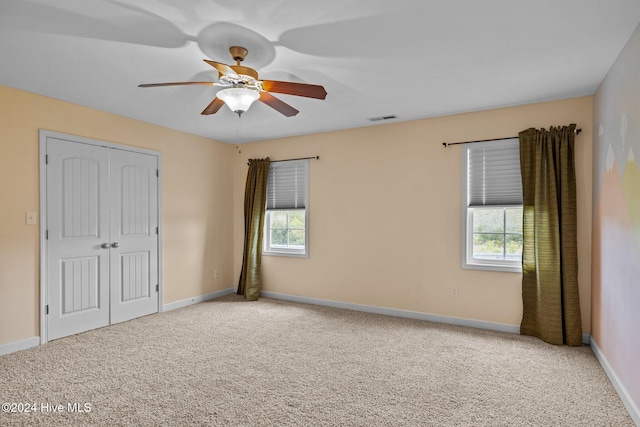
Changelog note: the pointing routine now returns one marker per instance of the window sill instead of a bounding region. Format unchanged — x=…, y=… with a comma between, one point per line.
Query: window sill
x=493, y=267
x=286, y=254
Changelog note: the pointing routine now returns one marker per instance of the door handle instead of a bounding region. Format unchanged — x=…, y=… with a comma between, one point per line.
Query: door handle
x=105, y=246
x=115, y=245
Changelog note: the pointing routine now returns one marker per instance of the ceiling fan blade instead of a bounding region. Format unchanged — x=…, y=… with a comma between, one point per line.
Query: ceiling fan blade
x=278, y=105
x=223, y=69
x=213, y=108
x=177, y=84
x=298, y=89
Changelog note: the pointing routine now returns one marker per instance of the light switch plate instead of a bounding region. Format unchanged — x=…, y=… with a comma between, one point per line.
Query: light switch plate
x=31, y=218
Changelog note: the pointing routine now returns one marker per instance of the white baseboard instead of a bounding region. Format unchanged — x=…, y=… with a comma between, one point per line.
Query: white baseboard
x=627, y=401
x=459, y=321
x=196, y=300
x=502, y=327
x=12, y=347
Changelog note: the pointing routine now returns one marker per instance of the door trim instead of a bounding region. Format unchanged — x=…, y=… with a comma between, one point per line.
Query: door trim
x=43, y=135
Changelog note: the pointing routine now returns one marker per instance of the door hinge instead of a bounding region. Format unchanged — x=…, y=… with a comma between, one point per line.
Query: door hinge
x=46, y=235
x=46, y=309
x=157, y=288
x=157, y=230
x=158, y=173
x=46, y=159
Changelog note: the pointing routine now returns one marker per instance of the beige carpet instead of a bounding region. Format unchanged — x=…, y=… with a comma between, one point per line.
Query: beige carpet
x=274, y=363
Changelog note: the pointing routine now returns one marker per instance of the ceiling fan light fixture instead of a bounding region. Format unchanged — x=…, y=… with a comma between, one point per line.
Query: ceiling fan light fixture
x=243, y=88
x=238, y=99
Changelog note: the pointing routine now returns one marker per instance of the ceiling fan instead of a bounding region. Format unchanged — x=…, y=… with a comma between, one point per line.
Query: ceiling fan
x=242, y=87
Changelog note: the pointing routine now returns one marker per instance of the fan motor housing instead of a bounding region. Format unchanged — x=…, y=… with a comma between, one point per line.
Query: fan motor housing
x=239, y=69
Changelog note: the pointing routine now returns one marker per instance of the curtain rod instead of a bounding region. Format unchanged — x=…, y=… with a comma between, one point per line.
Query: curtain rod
x=299, y=158
x=446, y=144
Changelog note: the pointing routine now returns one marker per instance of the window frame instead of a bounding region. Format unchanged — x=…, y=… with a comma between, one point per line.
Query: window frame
x=271, y=251
x=468, y=261
x=267, y=249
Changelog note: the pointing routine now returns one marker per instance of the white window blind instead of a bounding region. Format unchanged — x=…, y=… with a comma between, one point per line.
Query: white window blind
x=287, y=184
x=493, y=174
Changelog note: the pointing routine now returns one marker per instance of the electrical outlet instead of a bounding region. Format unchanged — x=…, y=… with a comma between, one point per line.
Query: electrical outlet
x=454, y=292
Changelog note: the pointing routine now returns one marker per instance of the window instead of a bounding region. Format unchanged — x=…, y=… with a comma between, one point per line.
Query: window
x=286, y=219
x=492, y=206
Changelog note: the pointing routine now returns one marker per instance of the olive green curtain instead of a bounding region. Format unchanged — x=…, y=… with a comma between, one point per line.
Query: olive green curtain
x=551, y=304
x=255, y=198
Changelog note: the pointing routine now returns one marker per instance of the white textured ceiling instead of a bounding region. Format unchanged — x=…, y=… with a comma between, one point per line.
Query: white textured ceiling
x=410, y=58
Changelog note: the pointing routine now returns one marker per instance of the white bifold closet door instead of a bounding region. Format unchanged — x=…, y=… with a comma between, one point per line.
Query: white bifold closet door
x=102, y=243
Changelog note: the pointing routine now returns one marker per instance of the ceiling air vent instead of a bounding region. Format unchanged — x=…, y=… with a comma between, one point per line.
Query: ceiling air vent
x=379, y=118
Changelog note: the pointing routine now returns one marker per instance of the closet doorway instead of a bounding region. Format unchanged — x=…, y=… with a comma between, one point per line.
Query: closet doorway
x=100, y=228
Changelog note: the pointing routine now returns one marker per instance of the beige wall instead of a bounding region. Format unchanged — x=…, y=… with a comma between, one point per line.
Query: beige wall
x=385, y=214
x=196, y=205
x=375, y=194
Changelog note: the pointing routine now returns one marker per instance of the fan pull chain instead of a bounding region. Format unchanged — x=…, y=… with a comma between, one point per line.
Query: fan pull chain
x=238, y=128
